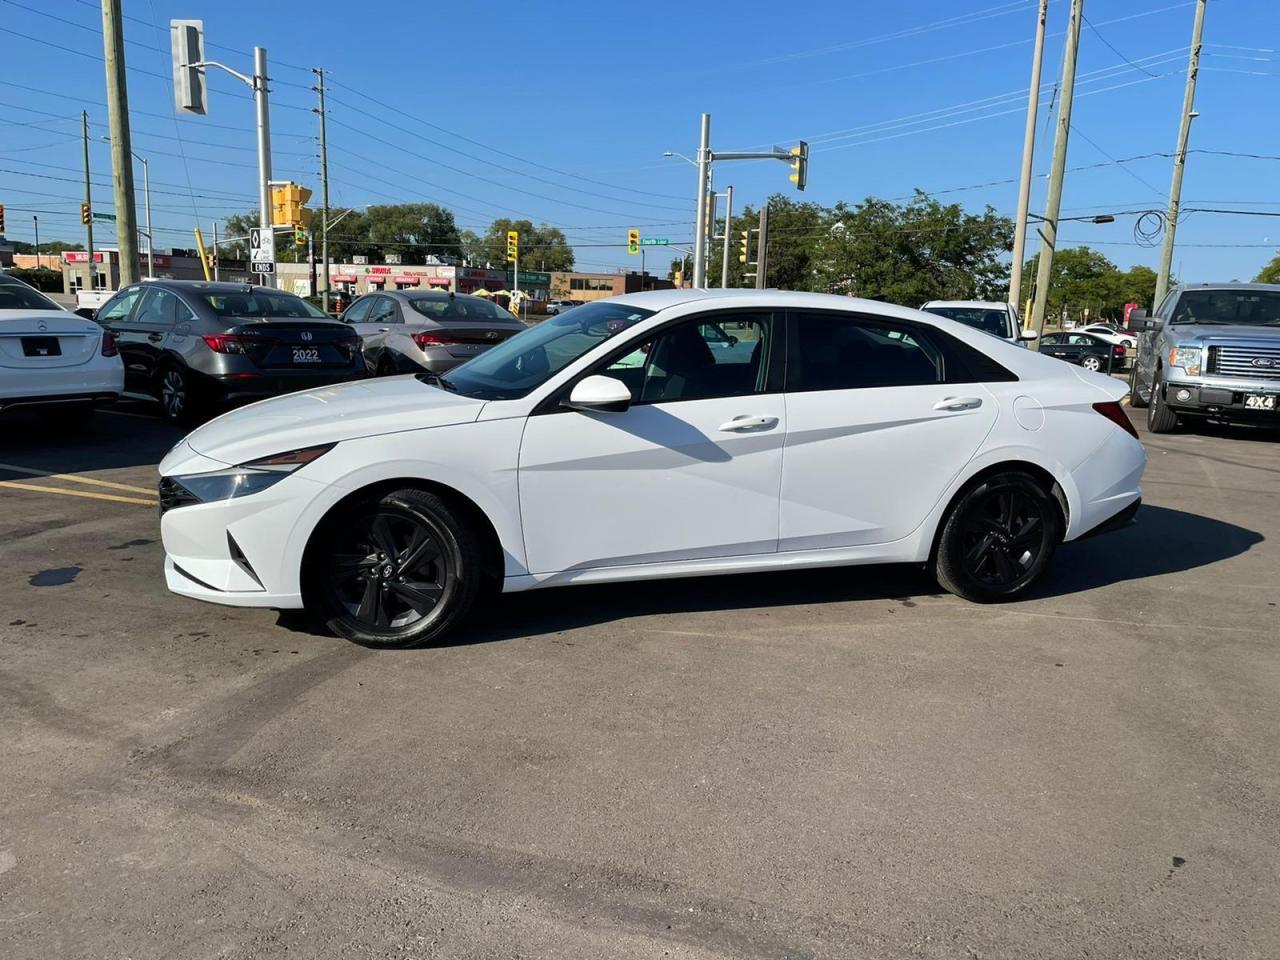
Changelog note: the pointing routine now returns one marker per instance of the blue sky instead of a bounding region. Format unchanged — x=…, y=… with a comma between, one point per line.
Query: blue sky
x=573, y=104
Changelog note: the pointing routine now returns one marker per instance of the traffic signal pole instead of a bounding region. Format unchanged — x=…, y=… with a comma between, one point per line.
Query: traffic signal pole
x=762, y=248
x=88, y=202
x=728, y=227
x=324, y=194
x=264, y=147
x=1180, y=157
x=700, y=227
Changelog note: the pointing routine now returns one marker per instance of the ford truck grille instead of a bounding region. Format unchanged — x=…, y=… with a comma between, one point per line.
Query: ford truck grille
x=1252, y=362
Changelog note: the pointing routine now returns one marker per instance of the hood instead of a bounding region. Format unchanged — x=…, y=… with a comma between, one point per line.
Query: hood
x=1185, y=332
x=361, y=408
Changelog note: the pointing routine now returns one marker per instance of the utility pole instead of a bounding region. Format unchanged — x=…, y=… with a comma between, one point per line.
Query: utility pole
x=728, y=228
x=1028, y=158
x=121, y=148
x=88, y=201
x=1180, y=157
x=215, y=250
x=146, y=198
x=324, y=194
x=700, y=227
x=1053, y=203
x=311, y=259
x=35, y=220
x=264, y=148
x=762, y=248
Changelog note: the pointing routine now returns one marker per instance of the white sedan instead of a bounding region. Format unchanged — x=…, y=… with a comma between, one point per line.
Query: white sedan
x=53, y=362
x=620, y=441
x=1112, y=335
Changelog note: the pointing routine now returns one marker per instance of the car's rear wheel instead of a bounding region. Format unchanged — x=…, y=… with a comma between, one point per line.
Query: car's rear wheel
x=1160, y=419
x=386, y=368
x=1091, y=363
x=400, y=570
x=998, y=538
x=1135, y=396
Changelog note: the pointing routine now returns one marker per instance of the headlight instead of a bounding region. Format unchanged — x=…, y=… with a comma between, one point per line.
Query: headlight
x=1186, y=357
x=252, y=477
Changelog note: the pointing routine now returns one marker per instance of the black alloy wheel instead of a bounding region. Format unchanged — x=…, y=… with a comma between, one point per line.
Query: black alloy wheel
x=398, y=571
x=175, y=394
x=998, y=539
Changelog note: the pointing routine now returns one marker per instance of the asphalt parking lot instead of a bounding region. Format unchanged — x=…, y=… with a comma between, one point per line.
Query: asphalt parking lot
x=813, y=764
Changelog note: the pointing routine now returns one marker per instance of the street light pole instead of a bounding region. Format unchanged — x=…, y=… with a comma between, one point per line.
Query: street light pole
x=700, y=227
x=728, y=229
x=264, y=149
x=35, y=220
x=146, y=195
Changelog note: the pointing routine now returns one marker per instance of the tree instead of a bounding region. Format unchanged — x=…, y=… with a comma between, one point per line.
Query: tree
x=415, y=231
x=793, y=227
x=910, y=253
x=1270, y=273
x=542, y=248
x=1083, y=279
x=51, y=246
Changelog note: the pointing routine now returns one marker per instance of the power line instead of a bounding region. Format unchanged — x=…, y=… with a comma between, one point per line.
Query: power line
x=1107, y=43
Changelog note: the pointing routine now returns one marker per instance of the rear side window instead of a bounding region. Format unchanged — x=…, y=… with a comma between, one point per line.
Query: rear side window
x=446, y=308
x=261, y=302
x=832, y=351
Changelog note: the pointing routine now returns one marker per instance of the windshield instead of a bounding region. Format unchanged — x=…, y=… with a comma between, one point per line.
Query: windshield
x=448, y=308
x=516, y=366
x=1248, y=307
x=18, y=296
x=994, y=322
x=262, y=303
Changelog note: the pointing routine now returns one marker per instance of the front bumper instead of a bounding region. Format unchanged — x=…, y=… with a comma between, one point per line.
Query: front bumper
x=1222, y=400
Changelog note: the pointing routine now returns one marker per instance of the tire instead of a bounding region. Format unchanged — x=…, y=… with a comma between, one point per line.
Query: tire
x=175, y=392
x=1091, y=363
x=386, y=368
x=358, y=577
x=1135, y=398
x=1160, y=419
x=998, y=538
x=71, y=417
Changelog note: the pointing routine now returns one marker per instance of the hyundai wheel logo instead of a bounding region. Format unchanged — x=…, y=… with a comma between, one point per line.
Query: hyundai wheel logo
x=1266, y=362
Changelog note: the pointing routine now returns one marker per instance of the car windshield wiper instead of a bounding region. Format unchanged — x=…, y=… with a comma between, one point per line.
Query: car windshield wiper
x=1200, y=323
x=436, y=380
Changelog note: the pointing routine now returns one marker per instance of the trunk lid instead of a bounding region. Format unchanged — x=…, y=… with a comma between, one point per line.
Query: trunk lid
x=47, y=338
x=299, y=344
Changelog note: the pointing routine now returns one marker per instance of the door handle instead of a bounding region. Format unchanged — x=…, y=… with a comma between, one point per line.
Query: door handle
x=383, y=329
x=743, y=423
x=958, y=403
x=155, y=337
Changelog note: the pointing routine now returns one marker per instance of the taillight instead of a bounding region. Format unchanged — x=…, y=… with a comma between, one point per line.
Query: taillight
x=1119, y=350
x=1115, y=413
x=109, y=346
x=232, y=343
x=424, y=340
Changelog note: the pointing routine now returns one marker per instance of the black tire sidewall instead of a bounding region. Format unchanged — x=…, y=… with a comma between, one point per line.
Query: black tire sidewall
x=948, y=563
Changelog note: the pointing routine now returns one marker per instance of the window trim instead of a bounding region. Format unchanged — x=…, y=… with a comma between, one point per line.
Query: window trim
x=553, y=402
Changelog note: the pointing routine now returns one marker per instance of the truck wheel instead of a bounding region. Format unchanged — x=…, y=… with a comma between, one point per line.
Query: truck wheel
x=1160, y=419
x=1135, y=398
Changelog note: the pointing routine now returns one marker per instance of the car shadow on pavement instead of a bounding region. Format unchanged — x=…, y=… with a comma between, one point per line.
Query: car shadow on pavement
x=113, y=439
x=1161, y=541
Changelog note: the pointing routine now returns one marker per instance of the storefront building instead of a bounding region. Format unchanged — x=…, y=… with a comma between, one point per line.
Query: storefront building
x=601, y=286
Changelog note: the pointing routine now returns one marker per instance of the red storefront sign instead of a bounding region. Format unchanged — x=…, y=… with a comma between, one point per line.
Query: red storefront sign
x=438, y=281
x=81, y=256
x=408, y=279
x=343, y=277
x=379, y=270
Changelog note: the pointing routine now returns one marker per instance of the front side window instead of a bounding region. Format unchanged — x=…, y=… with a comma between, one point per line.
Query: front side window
x=262, y=302
x=359, y=311
x=516, y=366
x=836, y=352
x=159, y=308
x=699, y=360
x=119, y=307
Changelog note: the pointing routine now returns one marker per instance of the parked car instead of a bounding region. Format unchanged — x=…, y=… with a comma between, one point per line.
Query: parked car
x=998, y=319
x=614, y=443
x=1112, y=334
x=1210, y=351
x=1086, y=349
x=53, y=362
x=555, y=307
x=407, y=332
x=197, y=346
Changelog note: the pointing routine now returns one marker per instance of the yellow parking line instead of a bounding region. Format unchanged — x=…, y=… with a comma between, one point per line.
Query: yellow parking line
x=73, y=478
x=14, y=485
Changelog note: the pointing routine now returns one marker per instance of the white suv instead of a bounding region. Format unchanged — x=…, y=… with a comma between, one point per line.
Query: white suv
x=998, y=319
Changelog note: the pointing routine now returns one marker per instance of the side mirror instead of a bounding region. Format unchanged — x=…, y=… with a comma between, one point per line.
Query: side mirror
x=1028, y=335
x=89, y=313
x=600, y=395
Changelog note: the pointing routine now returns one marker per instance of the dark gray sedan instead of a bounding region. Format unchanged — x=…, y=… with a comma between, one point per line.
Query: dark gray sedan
x=405, y=331
x=197, y=346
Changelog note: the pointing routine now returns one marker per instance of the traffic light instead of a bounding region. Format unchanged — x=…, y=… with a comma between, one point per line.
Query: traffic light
x=86, y=214
x=633, y=240
x=513, y=245
x=800, y=165
x=1, y=219
x=287, y=205
x=744, y=246
x=299, y=237
x=678, y=278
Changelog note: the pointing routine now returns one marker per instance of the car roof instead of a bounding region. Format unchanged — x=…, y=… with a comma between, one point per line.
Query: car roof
x=210, y=286
x=967, y=304
x=1233, y=285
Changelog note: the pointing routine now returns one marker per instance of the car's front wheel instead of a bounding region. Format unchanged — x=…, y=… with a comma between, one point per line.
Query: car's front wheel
x=1135, y=395
x=998, y=538
x=399, y=570
x=1160, y=419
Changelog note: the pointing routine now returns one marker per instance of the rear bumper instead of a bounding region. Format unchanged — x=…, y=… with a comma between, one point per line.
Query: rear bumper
x=234, y=387
x=97, y=398
x=1125, y=518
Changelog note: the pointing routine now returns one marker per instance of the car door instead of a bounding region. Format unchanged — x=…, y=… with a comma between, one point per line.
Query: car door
x=378, y=326
x=1055, y=345
x=689, y=470
x=114, y=316
x=149, y=329
x=881, y=416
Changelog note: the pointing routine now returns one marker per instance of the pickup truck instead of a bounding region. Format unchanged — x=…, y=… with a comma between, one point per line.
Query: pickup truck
x=1212, y=350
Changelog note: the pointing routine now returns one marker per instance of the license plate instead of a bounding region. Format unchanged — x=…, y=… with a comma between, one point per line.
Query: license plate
x=1259, y=401
x=41, y=347
x=306, y=355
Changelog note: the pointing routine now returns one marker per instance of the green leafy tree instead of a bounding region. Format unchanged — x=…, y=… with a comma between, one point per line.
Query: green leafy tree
x=1270, y=273
x=542, y=248
x=412, y=230
x=1083, y=279
x=51, y=247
